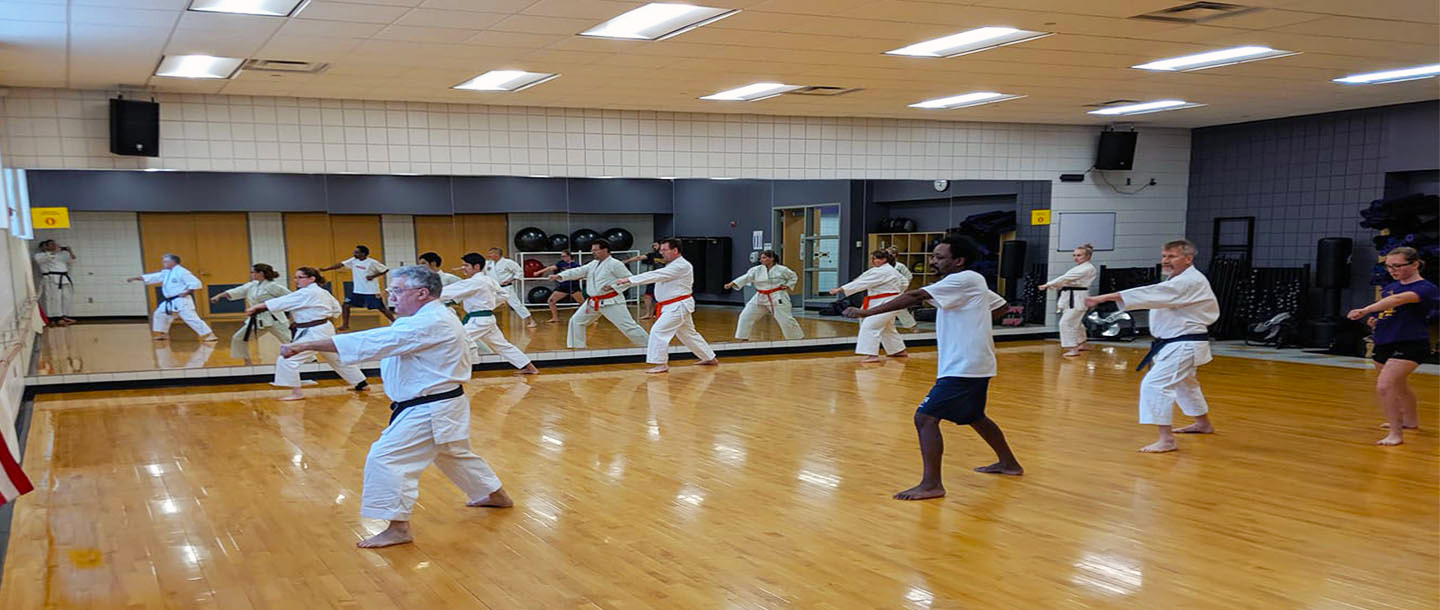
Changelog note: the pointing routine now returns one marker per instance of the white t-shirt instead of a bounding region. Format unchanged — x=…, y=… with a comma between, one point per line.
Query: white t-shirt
x=359, y=270
x=962, y=325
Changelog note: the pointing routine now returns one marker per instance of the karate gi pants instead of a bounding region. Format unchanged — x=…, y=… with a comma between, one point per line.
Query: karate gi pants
x=760, y=306
x=512, y=299
x=617, y=313
x=483, y=330
x=54, y=299
x=183, y=308
x=239, y=348
x=1072, y=326
x=403, y=451
x=1171, y=380
x=878, y=331
x=675, y=322
x=287, y=370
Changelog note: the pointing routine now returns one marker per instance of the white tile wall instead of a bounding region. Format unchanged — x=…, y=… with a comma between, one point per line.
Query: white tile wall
x=107, y=245
x=267, y=242
x=397, y=239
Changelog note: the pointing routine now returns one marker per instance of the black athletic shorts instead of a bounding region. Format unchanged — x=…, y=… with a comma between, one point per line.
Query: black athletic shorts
x=957, y=399
x=368, y=301
x=1414, y=351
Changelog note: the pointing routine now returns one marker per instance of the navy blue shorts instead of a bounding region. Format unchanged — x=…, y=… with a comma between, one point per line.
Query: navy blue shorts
x=957, y=399
x=368, y=301
x=1414, y=351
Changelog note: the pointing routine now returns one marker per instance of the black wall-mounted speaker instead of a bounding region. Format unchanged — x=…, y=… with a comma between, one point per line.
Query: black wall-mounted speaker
x=1116, y=151
x=134, y=128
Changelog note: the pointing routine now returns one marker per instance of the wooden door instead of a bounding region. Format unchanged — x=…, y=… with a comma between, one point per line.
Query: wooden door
x=164, y=233
x=222, y=255
x=480, y=232
x=439, y=234
x=346, y=232
x=308, y=244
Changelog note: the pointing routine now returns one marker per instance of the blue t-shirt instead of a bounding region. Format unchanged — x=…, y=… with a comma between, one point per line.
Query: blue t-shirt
x=571, y=286
x=1407, y=322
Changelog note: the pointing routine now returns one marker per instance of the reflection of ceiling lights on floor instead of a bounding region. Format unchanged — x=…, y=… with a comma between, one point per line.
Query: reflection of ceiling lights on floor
x=1108, y=573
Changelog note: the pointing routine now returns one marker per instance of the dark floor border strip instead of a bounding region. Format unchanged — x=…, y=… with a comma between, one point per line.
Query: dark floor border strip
x=7, y=512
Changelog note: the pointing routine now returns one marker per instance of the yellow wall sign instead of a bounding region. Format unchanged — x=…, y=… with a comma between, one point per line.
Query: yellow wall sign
x=50, y=218
x=1037, y=217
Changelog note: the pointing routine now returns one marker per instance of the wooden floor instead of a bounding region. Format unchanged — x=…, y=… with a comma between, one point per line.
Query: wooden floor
x=764, y=483
x=126, y=346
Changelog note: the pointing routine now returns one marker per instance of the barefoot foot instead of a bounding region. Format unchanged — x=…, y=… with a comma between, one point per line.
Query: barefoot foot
x=710, y=362
x=1002, y=468
x=1391, y=440
x=1196, y=428
x=529, y=369
x=921, y=492
x=1386, y=426
x=295, y=396
x=899, y=354
x=1159, y=447
x=497, y=499
x=869, y=359
x=1072, y=353
x=390, y=537
x=655, y=370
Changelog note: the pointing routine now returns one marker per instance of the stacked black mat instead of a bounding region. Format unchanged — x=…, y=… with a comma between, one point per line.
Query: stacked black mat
x=1413, y=221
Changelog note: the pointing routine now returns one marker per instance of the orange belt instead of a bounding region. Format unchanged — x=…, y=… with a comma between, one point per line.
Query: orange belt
x=865, y=304
x=595, y=301
x=662, y=304
x=767, y=293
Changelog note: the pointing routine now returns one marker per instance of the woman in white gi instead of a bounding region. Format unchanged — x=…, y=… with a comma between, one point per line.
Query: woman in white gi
x=773, y=283
x=507, y=274
x=311, y=306
x=903, y=319
x=600, y=275
x=674, y=309
x=261, y=287
x=479, y=296
x=176, y=284
x=1074, y=286
x=881, y=282
x=1182, y=308
x=56, y=288
x=424, y=366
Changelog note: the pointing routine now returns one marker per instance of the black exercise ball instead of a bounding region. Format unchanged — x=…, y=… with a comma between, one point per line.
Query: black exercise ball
x=530, y=239
x=580, y=240
x=559, y=241
x=619, y=238
x=904, y=225
x=538, y=295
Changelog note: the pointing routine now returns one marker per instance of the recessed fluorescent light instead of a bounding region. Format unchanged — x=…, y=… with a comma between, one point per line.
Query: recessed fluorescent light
x=658, y=21
x=198, y=66
x=1214, y=59
x=505, y=80
x=969, y=41
x=1146, y=107
x=752, y=92
x=1391, y=76
x=968, y=99
x=271, y=8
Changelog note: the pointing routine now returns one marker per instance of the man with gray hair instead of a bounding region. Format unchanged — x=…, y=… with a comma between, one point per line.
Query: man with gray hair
x=424, y=366
x=176, y=284
x=1182, y=309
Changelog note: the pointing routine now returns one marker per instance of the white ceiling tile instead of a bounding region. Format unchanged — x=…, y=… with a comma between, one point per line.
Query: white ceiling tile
x=418, y=34
x=471, y=20
x=174, y=5
x=107, y=15
x=344, y=11
x=28, y=11
x=489, y=6
x=303, y=28
x=531, y=24
x=519, y=40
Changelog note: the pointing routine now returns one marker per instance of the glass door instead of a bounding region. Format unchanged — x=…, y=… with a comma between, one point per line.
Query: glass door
x=808, y=241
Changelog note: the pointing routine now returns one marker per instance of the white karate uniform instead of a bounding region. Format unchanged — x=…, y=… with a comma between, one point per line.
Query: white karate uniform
x=174, y=281
x=779, y=279
x=309, y=304
x=421, y=354
x=1180, y=305
x=877, y=331
x=599, y=279
x=905, y=319
x=360, y=272
x=673, y=281
x=506, y=270
x=56, y=290
x=1071, y=303
x=447, y=278
x=267, y=321
x=480, y=294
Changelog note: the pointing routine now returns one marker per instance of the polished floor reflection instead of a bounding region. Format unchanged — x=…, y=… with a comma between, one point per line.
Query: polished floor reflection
x=764, y=483
x=111, y=347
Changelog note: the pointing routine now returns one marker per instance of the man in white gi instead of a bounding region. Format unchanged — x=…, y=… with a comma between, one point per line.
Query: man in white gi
x=176, y=284
x=1074, y=286
x=881, y=282
x=311, y=306
x=261, y=287
x=600, y=275
x=364, y=290
x=904, y=319
x=507, y=274
x=1181, y=309
x=674, y=308
x=433, y=261
x=479, y=296
x=424, y=367
x=56, y=289
x=965, y=313
x=773, y=283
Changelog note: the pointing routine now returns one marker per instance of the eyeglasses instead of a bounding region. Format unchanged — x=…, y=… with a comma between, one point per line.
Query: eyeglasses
x=1400, y=266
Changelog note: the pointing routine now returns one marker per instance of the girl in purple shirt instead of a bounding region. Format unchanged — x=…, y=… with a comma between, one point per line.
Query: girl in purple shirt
x=1402, y=338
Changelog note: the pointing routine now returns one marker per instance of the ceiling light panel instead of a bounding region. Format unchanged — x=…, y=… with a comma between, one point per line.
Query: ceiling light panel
x=198, y=66
x=658, y=21
x=969, y=41
x=1145, y=107
x=965, y=100
x=1391, y=76
x=752, y=92
x=269, y=8
x=505, y=80
x=1213, y=59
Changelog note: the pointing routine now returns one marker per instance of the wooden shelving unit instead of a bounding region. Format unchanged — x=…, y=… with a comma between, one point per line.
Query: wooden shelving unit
x=914, y=248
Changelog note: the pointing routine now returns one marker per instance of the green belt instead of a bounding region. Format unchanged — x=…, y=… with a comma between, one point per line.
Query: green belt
x=476, y=314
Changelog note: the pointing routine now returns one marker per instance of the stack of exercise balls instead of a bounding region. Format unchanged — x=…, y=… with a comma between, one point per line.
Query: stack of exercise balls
x=532, y=239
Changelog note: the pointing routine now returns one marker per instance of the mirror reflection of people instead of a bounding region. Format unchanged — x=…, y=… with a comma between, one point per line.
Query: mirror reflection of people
x=881, y=282
x=364, y=290
x=1074, y=286
x=261, y=287
x=432, y=261
x=564, y=289
x=773, y=283
x=311, y=307
x=507, y=274
x=479, y=295
x=600, y=274
x=176, y=285
x=904, y=319
x=674, y=309
x=56, y=288
x=652, y=261
x=1402, y=338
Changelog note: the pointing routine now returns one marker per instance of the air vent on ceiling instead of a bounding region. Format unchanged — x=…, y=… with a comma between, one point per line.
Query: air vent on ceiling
x=285, y=66
x=825, y=91
x=1197, y=12
x=1111, y=103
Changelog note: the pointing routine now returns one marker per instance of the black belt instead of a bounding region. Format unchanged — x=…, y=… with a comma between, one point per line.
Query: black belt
x=250, y=324
x=166, y=303
x=1157, y=344
x=396, y=408
x=1072, y=290
x=299, y=325
x=64, y=277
